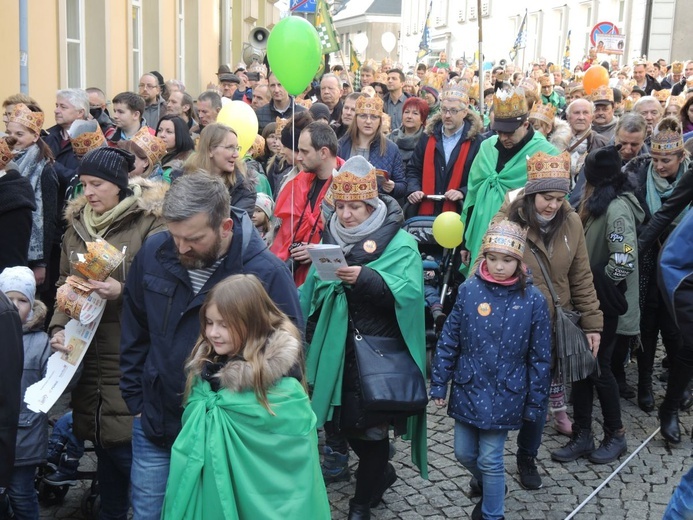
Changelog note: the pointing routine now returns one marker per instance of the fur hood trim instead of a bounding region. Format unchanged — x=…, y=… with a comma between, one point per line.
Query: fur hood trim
x=151, y=201
x=601, y=197
x=36, y=318
x=561, y=134
x=435, y=122
x=283, y=351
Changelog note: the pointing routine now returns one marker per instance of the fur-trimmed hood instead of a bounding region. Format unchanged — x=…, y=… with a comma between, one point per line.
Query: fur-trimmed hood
x=283, y=352
x=561, y=134
x=435, y=122
x=37, y=317
x=623, y=185
x=151, y=201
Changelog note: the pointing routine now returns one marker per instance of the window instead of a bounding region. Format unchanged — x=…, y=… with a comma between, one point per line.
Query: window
x=136, y=42
x=74, y=25
x=181, y=40
x=621, y=11
x=588, y=18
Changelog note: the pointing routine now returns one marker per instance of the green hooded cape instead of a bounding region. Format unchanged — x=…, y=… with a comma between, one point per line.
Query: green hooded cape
x=401, y=269
x=234, y=460
x=486, y=188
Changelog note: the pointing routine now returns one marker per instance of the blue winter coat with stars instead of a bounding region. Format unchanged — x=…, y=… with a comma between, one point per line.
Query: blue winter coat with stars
x=496, y=348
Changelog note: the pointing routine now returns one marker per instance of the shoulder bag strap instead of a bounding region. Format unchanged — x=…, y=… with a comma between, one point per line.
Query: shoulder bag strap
x=545, y=272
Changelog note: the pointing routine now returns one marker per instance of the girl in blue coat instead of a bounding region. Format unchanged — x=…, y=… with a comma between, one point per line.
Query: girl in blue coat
x=495, y=346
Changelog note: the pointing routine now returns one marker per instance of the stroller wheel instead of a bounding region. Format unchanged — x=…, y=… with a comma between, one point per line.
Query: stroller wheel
x=51, y=495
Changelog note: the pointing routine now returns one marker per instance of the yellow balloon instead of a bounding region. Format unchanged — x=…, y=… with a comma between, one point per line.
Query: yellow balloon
x=448, y=229
x=239, y=116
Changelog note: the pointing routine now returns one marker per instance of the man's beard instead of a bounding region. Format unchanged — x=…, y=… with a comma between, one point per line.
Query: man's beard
x=192, y=260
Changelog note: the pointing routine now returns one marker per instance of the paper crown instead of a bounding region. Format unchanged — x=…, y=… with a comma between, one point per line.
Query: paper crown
x=542, y=112
x=666, y=142
x=381, y=77
x=257, y=149
x=359, y=184
x=677, y=67
x=677, y=101
x=306, y=103
x=281, y=123
x=602, y=94
x=368, y=105
x=431, y=79
x=548, y=173
x=152, y=146
x=661, y=95
x=509, y=105
x=25, y=117
x=85, y=136
x=5, y=153
x=455, y=93
x=528, y=84
x=574, y=86
x=545, y=80
x=689, y=83
x=474, y=91
x=625, y=89
x=628, y=104
x=554, y=68
x=506, y=238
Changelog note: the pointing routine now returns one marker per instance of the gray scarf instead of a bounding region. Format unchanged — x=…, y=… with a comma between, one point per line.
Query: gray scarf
x=31, y=165
x=346, y=238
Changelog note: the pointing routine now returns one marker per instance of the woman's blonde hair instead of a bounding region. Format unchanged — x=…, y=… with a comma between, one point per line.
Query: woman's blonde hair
x=212, y=136
x=251, y=317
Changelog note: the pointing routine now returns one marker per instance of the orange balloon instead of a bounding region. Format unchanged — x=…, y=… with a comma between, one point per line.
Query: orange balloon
x=595, y=77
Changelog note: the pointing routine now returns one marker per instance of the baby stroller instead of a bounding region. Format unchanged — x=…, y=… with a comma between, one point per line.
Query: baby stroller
x=441, y=277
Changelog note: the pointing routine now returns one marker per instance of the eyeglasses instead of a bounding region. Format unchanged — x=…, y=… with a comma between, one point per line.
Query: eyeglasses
x=148, y=87
x=367, y=117
x=231, y=148
x=451, y=111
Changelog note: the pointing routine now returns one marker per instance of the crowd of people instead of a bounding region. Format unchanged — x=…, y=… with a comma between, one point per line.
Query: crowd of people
x=221, y=350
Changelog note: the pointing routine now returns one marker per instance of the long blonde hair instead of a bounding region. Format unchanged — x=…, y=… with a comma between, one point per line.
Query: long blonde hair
x=212, y=136
x=251, y=317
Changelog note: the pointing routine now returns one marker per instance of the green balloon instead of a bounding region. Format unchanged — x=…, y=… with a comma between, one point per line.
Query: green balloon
x=294, y=53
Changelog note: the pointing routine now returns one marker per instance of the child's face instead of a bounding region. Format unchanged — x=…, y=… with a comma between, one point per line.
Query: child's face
x=21, y=302
x=218, y=332
x=501, y=266
x=258, y=217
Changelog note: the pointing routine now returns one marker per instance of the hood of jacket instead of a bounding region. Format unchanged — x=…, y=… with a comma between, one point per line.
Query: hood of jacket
x=15, y=192
x=37, y=317
x=434, y=124
x=282, y=353
x=561, y=134
x=151, y=201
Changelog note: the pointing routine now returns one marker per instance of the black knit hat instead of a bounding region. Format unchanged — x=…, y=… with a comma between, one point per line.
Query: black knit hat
x=320, y=110
x=603, y=165
x=109, y=164
x=289, y=138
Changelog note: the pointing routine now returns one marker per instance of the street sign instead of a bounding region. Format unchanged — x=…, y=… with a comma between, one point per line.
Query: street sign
x=302, y=6
x=602, y=28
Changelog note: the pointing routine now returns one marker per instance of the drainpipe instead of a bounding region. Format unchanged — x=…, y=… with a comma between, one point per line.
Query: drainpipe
x=645, y=50
x=23, y=47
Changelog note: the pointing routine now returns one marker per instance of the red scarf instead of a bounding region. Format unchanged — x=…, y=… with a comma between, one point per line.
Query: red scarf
x=429, y=176
x=486, y=275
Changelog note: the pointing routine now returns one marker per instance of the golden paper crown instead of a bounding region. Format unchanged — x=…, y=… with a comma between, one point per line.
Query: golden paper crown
x=281, y=123
x=88, y=141
x=661, y=95
x=554, y=68
x=509, y=105
x=474, y=91
x=529, y=84
x=152, y=146
x=431, y=79
x=545, y=80
x=574, y=86
x=5, y=153
x=628, y=104
x=257, y=150
x=381, y=77
x=100, y=260
x=544, y=166
x=689, y=83
x=25, y=117
x=666, y=142
x=602, y=93
x=625, y=89
x=542, y=112
x=677, y=67
x=455, y=93
x=368, y=105
x=347, y=186
x=306, y=103
x=505, y=237
x=677, y=101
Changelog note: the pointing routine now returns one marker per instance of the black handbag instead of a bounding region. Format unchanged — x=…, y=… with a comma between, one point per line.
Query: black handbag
x=575, y=359
x=389, y=378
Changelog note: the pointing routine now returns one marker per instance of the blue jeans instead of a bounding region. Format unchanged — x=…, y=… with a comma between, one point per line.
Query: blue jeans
x=681, y=504
x=62, y=436
x=113, y=472
x=22, y=493
x=529, y=438
x=481, y=452
x=150, y=465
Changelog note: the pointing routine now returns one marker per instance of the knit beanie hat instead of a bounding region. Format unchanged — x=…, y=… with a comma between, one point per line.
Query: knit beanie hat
x=431, y=91
x=265, y=203
x=548, y=173
x=603, y=165
x=109, y=164
x=293, y=128
x=19, y=279
x=506, y=238
x=356, y=180
x=320, y=111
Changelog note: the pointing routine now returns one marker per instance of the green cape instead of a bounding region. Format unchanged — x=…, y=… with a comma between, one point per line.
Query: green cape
x=234, y=460
x=486, y=188
x=400, y=266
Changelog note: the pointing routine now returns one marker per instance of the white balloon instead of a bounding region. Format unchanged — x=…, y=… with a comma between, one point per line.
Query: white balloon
x=389, y=41
x=360, y=42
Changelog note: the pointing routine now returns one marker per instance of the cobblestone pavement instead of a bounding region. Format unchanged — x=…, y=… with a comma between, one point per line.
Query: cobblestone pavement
x=639, y=492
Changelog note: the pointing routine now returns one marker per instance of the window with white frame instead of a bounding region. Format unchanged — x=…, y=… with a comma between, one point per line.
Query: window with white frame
x=181, y=40
x=74, y=33
x=136, y=41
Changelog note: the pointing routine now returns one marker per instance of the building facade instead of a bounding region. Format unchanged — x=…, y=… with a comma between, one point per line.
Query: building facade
x=58, y=44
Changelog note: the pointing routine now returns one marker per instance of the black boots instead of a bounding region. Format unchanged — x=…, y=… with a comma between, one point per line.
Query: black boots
x=581, y=445
x=529, y=475
x=389, y=478
x=669, y=423
x=359, y=511
x=646, y=401
x=611, y=448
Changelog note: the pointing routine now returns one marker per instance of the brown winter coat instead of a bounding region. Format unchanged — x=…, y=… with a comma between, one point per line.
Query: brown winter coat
x=100, y=414
x=568, y=264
